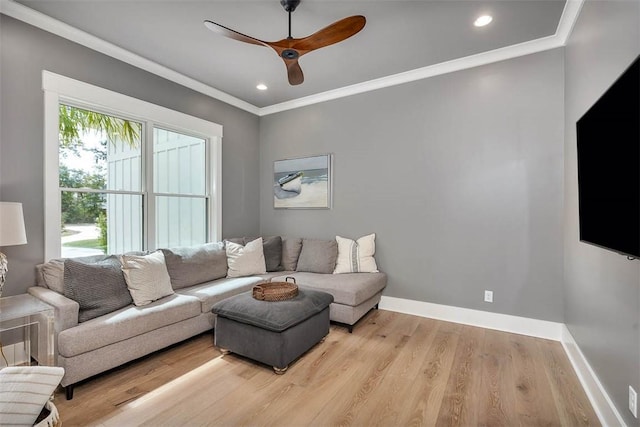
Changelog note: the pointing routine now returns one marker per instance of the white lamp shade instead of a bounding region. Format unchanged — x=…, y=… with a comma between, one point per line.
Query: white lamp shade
x=12, y=230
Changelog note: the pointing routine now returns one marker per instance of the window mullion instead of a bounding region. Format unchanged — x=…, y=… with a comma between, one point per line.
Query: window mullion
x=96, y=191
x=185, y=195
x=149, y=197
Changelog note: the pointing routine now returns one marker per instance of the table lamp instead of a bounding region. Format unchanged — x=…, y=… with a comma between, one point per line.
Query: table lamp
x=12, y=232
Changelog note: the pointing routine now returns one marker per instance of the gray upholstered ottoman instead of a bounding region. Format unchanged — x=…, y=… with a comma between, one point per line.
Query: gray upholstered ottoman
x=274, y=333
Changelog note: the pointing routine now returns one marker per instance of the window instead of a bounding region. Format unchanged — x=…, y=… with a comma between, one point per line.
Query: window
x=179, y=183
x=123, y=175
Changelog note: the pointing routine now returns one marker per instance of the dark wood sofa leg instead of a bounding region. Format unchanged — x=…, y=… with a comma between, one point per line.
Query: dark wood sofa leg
x=69, y=391
x=376, y=307
x=350, y=329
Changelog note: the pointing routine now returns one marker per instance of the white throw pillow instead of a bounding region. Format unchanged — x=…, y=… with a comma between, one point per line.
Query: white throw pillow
x=147, y=277
x=356, y=257
x=245, y=260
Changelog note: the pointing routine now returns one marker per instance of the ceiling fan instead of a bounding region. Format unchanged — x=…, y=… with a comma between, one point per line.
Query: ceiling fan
x=290, y=49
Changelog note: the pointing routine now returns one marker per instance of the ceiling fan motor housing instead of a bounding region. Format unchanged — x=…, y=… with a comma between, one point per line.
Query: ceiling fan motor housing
x=289, y=5
x=290, y=54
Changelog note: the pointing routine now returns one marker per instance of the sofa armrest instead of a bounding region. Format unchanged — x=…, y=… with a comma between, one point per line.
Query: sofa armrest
x=66, y=309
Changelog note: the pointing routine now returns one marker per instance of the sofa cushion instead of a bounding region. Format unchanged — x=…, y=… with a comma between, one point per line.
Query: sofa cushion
x=356, y=256
x=192, y=265
x=212, y=292
x=147, y=277
x=318, y=256
x=268, y=276
x=349, y=289
x=126, y=323
x=245, y=260
x=291, y=247
x=98, y=287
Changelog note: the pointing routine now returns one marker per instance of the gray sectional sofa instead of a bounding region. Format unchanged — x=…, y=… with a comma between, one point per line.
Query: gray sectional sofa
x=91, y=339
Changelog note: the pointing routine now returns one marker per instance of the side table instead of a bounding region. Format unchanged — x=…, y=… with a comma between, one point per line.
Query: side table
x=30, y=314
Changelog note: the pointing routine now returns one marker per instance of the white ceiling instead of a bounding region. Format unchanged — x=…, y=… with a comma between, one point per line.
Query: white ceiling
x=400, y=36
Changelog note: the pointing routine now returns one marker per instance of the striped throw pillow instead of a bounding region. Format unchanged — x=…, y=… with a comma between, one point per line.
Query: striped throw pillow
x=356, y=256
x=147, y=277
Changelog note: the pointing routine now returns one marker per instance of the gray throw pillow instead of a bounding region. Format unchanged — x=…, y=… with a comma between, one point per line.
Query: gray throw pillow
x=52, y=272
x=291, y=247
x=318, y=256
x=272, y=248
x=188, y=266
x=99, y=287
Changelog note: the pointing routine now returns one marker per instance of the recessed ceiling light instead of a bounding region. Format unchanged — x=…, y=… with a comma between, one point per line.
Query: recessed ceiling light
x=262, y=86
x=483, y=20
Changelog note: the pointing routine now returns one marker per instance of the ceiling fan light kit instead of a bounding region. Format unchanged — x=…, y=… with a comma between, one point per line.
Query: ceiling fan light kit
x=291, y=49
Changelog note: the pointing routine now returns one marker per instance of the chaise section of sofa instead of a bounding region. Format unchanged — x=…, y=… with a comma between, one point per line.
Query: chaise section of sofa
x=354, y=293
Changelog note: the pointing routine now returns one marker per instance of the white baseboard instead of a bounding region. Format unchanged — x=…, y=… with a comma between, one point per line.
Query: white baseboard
x=484, y=319
x=600, y=400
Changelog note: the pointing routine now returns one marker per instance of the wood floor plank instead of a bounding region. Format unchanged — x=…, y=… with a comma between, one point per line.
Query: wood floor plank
x=186, y=390
x=534, y=404
x=321, y=381
x=496, y=400
x=386, y=344
x=385, y=405
x=460, y=404
x=427, y=391
x=394, y=369
x=569, y=397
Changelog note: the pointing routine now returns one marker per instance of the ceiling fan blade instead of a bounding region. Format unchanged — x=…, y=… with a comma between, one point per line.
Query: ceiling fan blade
x=334, y=33
x=294, y=72
x=228, y=32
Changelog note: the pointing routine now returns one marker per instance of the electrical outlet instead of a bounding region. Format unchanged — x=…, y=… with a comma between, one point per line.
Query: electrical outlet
x=488, y=296
x=633, y=402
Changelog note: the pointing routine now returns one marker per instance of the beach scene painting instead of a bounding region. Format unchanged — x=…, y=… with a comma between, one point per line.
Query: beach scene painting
x=303, y=183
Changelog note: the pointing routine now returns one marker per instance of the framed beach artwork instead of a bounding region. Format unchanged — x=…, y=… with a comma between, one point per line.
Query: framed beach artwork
x=302, y=183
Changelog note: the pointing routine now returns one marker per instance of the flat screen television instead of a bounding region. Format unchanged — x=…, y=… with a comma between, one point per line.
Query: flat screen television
x=609, y=167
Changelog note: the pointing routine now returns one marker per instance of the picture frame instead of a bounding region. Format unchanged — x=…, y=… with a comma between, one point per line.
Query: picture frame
x=303, y=182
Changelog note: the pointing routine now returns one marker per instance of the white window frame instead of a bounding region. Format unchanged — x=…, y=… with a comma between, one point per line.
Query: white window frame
x=60, y=89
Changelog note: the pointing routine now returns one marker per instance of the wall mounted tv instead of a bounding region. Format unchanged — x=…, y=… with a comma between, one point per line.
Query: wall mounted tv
x=609, y=167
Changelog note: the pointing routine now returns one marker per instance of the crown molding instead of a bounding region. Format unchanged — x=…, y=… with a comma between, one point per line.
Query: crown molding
x=49, y=24
x=568, y=19
x=565, y=26
x=459, y=64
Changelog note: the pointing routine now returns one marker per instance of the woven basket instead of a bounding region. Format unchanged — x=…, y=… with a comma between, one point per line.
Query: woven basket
x=51, y=416
x=275, y=291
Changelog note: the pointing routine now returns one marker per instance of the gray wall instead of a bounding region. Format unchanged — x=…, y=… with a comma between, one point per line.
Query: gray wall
x=25, y=52
x=602, y=288
x=460, y=176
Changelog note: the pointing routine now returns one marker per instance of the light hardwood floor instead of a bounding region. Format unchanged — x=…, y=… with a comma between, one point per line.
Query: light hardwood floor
x=394, y=370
